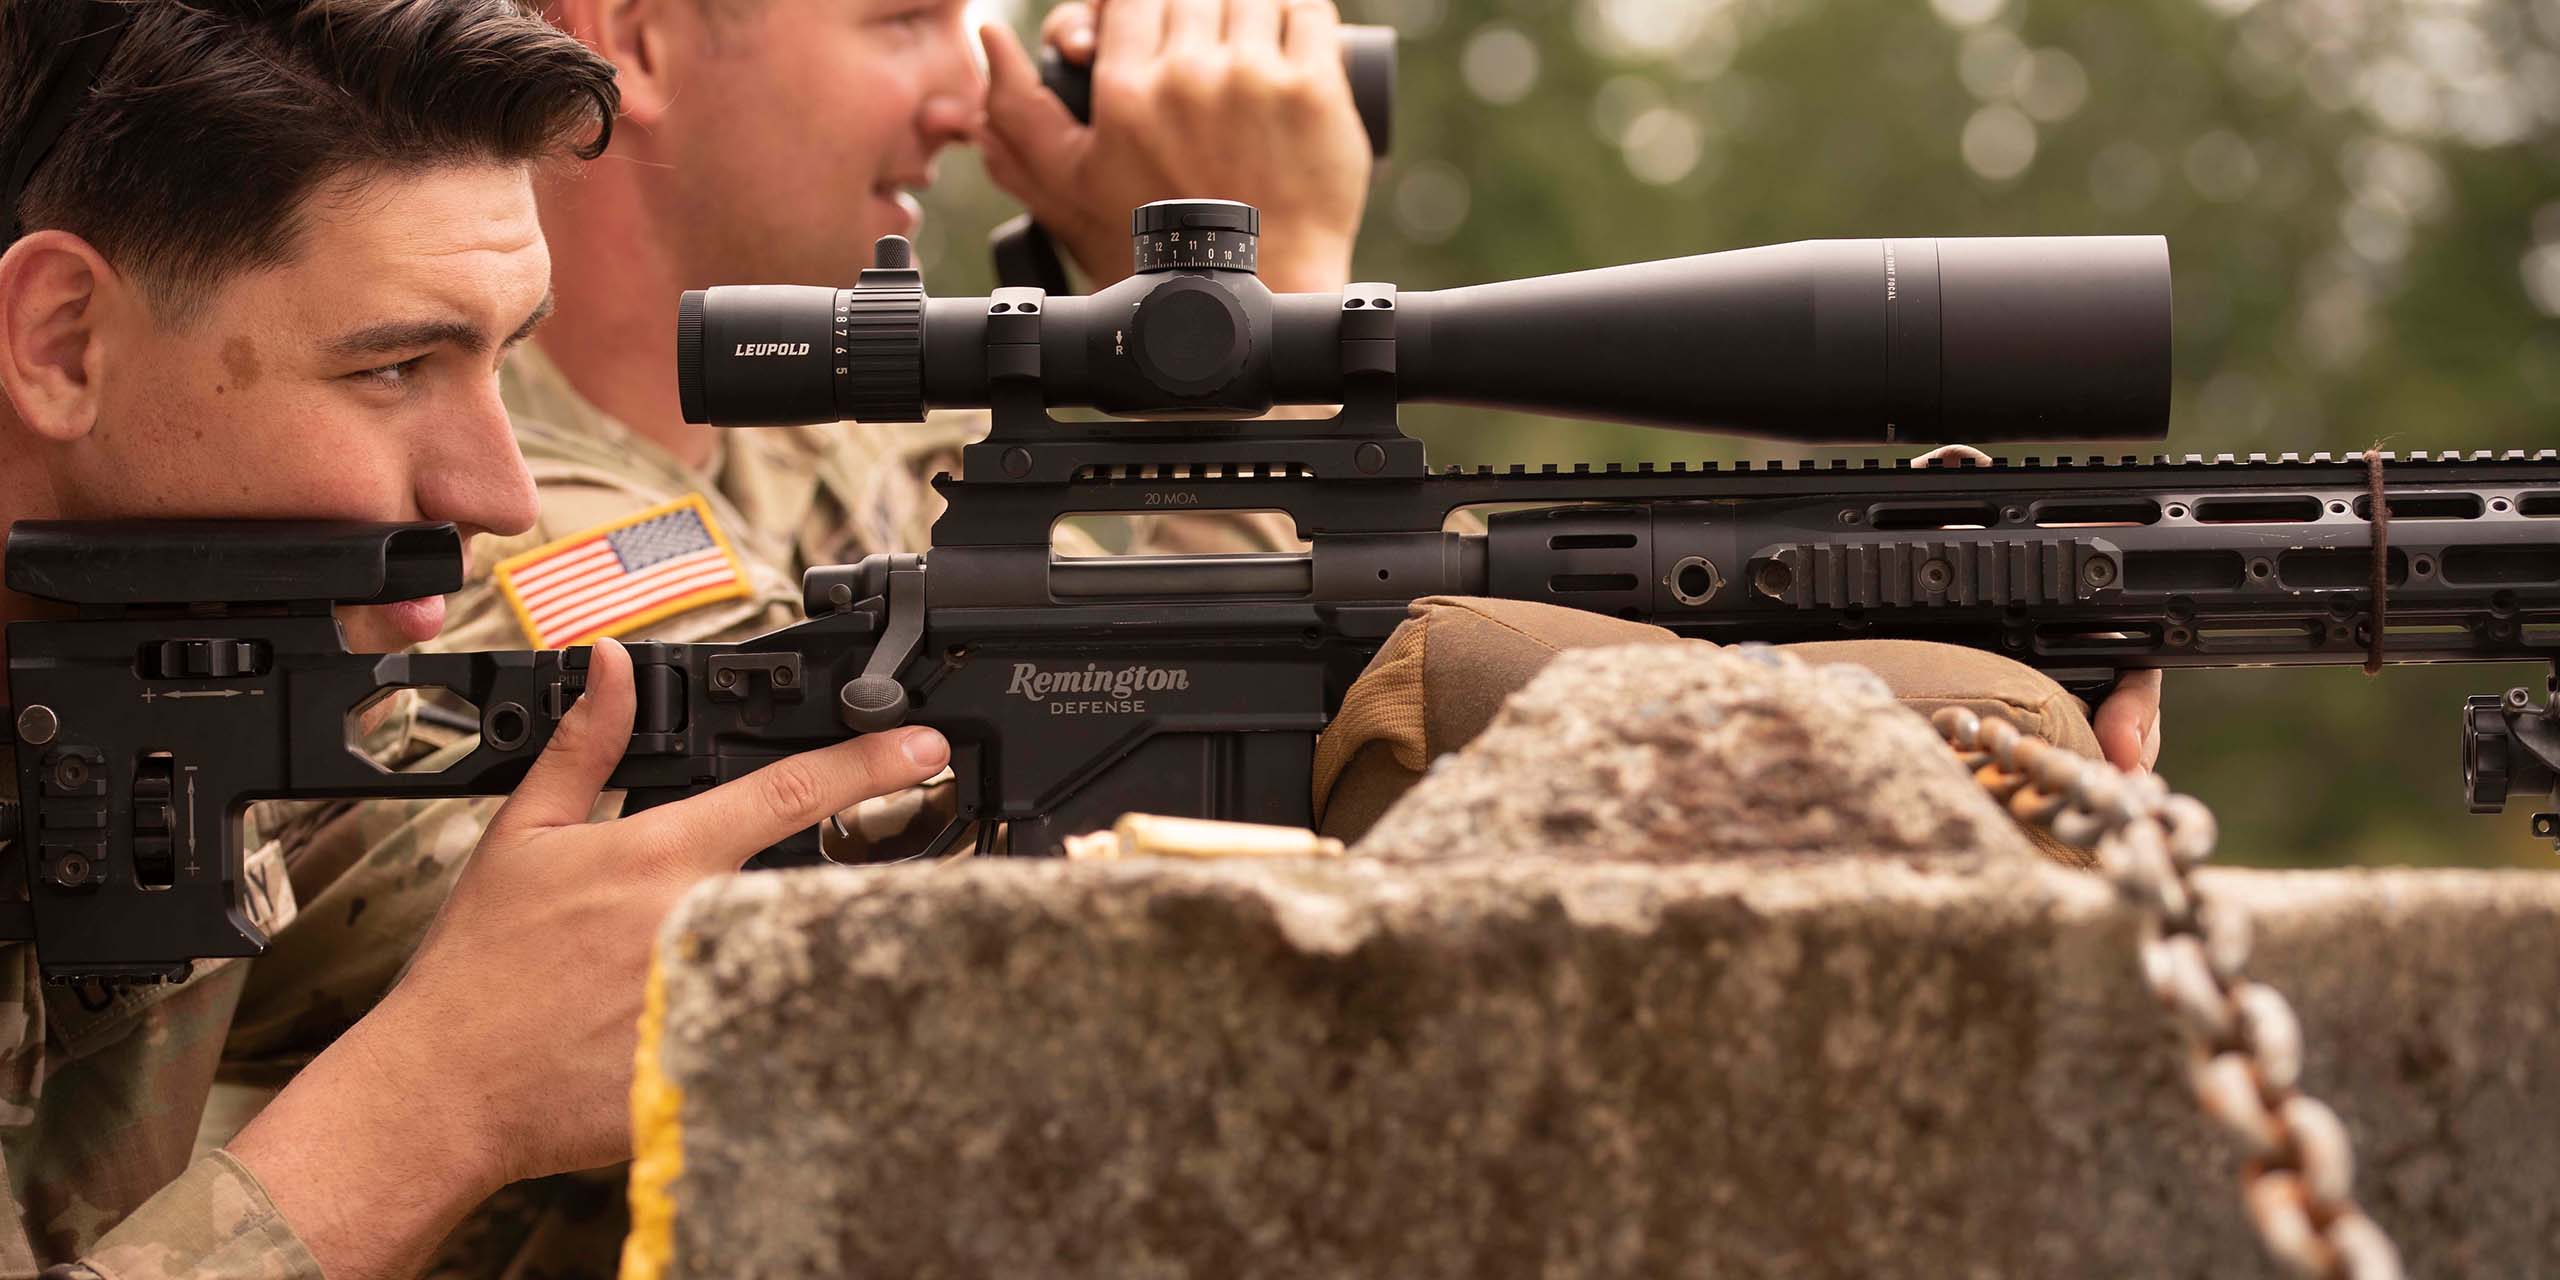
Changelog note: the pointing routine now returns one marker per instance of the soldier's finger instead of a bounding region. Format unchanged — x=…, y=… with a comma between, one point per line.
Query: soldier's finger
x=560, y=789
x=1191, y=26
x=1069, y=29
x=730, y=823
x=1004, y=168
x=1253, y=28
x=1311, y=36
x=2128, y=722
x=1028, y=120
x=1131, y=30
x=1949, y=454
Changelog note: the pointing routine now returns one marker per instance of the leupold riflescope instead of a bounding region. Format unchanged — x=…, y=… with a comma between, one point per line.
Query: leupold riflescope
x=1844, y=341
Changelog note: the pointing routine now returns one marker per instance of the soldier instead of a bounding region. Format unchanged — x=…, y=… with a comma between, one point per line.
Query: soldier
x=273, y=253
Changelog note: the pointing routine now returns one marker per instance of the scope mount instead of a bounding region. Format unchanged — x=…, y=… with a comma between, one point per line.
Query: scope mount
x=1200, y=251
x=1192, y=244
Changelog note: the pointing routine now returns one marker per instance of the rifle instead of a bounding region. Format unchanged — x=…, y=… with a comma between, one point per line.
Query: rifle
x=203, y=671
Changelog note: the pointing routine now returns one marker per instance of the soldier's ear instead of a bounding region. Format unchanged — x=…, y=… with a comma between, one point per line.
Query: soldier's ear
x=54, y=288
x=646, y=40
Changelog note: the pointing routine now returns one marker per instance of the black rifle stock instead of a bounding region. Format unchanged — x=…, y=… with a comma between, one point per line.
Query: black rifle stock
x=203, y=671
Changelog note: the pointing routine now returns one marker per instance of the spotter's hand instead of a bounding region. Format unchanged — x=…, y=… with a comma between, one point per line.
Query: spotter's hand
x=1227, y=99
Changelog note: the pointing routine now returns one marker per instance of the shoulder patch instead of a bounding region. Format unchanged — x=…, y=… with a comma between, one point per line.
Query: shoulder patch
x=622, y=575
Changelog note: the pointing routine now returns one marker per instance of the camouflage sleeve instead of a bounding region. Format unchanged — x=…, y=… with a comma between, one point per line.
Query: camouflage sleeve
x=214, y=1223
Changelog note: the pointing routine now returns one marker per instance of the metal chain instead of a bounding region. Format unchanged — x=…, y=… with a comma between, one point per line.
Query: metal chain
x=2242, y=1042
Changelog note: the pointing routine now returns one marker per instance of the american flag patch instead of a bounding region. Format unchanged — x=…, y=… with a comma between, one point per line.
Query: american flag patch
x=622, y=576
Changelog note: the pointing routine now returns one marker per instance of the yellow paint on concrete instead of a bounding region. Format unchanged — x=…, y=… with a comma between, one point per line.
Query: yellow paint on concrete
x=657, y=1133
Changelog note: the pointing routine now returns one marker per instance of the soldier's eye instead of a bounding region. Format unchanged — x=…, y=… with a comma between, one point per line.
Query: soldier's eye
x=390, y=375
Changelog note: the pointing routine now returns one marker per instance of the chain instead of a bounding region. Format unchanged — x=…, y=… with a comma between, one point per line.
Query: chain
x=2242, y=1043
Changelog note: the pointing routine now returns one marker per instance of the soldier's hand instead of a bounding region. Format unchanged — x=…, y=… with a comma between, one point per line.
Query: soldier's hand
x=506, y=1049
x=1228, y=99
x=2128, y=722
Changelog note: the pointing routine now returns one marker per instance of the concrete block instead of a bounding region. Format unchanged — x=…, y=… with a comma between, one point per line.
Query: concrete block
x=1872, y=1066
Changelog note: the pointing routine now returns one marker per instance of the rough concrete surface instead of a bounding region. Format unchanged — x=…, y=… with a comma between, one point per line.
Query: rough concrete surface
x=1676, y=753
x=1695, y=963
x=1847, y=1067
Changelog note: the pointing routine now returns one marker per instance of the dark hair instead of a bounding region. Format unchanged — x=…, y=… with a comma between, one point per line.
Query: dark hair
x=214, y=120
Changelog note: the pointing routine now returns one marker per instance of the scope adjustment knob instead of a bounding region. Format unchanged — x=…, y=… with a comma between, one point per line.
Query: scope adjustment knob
x=1189, y=336
x=2488, y=754
x=1195, y=235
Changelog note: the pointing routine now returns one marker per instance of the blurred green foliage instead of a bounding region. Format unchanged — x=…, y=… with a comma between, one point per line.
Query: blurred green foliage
x=2362, y=199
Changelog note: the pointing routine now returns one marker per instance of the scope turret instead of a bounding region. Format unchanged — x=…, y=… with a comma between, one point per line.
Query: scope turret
x=1839, y=341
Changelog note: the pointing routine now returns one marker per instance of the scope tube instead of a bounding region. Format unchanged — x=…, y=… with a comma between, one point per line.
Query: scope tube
x=1853, y=341
x=1836, y=341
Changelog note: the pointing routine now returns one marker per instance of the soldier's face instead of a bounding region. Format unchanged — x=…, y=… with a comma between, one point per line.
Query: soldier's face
x=800, y=128
x=357, y=382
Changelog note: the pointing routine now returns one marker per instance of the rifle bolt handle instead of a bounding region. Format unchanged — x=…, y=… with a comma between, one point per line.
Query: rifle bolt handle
x=869, y=704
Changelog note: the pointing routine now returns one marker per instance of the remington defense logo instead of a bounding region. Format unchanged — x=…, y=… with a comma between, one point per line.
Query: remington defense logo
x=1118, y=687
x=773, y=348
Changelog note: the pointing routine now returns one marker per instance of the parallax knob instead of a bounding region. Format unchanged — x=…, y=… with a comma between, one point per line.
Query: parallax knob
x=1190, y=336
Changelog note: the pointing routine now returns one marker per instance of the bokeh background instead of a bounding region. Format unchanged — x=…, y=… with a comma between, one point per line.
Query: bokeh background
x=2362, y=199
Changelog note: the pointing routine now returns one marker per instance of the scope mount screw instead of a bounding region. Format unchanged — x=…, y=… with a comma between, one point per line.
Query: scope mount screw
x=1017, y=463
x=68, y=871
x=1370, y=459
x=37, y=725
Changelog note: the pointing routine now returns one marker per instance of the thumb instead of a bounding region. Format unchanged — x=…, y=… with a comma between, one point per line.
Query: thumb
x=2128, y=722
x=1023, y=115
x=1071, y=27
x=560, y=790
x=1948, y=455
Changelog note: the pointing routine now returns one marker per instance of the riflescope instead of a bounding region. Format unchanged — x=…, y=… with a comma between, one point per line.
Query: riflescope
x=1842, y=341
